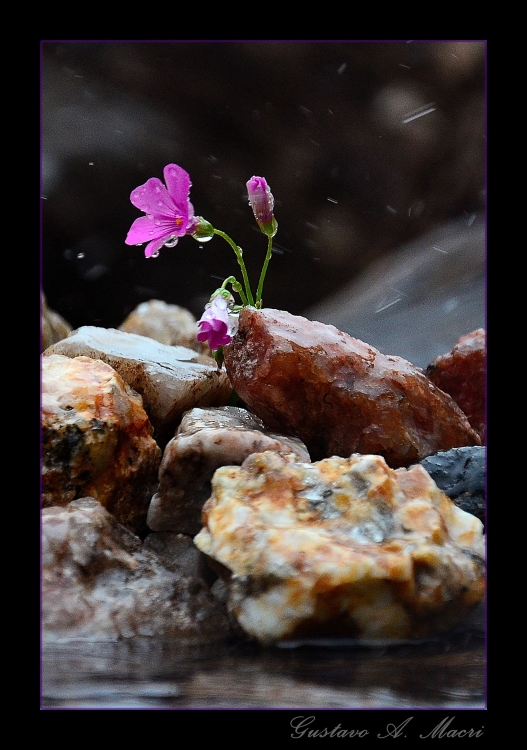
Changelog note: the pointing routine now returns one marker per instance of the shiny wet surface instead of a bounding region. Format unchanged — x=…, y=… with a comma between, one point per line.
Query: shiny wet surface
x=444, y=672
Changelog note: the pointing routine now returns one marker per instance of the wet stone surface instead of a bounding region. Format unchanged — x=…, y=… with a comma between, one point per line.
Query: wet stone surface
x=338, y=394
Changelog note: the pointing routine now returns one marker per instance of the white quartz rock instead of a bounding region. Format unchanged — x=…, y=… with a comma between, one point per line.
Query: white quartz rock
x=207, y=439
x=342, y=547
x=171, y=379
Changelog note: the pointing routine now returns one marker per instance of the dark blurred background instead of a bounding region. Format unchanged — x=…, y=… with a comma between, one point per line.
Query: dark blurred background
x=367, y=146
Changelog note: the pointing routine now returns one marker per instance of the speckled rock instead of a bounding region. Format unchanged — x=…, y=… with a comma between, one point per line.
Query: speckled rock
x=207, y=439
x=338, y=394
x=54, y=327
x=461, y=373
x=171, y=379
x=100, y=583
x=460, y=474
x=96, y=439
x=169, y=324
x=344, y=547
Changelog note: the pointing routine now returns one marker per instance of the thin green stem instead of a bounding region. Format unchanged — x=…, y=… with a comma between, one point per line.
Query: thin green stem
x=249, y=299
x=264, y=271
x=237, y=287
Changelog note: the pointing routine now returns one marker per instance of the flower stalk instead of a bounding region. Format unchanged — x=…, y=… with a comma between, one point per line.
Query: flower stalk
x=169, y=215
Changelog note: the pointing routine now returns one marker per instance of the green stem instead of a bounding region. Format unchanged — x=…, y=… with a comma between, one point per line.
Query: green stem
x=237, y=287
x=264, y=271
x=249, y=299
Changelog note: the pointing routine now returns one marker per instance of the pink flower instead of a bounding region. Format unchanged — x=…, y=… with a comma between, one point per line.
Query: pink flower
x=169, y=213
x=217, y=325
x=262, y=203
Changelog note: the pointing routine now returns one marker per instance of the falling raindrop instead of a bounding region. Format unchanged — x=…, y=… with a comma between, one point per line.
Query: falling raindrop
x=80, y=255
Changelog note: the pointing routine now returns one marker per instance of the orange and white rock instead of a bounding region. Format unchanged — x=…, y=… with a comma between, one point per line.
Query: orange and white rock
x=171, y=379
x=343, y=547
x=96, y=439
x=205, y=440
x=169, y=324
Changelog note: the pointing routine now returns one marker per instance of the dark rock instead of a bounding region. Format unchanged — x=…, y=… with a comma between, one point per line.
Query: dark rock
x=460, y=474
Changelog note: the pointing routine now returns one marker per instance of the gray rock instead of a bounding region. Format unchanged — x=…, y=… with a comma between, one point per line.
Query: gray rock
x=171, y=379
x=207, y=439
x=416, y=302
x=100, y=583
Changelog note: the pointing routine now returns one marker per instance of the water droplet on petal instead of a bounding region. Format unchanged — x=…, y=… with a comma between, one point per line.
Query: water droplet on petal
x=171, y=242
x=155, y=254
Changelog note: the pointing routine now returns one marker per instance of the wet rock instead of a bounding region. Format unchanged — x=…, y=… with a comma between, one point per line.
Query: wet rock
x=179, y=554
x=207, y=439
x=100, y=583
x=54, y=327
x=171, y=379
x=338, y=394
x=460, y=474
x=169, y=324
x=344, y=547
x=96, y=439
x=461, y=373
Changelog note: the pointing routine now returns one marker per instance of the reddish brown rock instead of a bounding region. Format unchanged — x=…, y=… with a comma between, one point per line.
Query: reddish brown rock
x=338, y=394
x=461, y=374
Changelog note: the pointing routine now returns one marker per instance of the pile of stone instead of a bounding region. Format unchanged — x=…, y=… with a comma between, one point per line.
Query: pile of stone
x=168, y=511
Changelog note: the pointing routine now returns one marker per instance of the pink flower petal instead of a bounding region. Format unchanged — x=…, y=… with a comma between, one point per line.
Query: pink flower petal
x=153, y=198
x=178, y=185
x=148, y=228
x=153, y=247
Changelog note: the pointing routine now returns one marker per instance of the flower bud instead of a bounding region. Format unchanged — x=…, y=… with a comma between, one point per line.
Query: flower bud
x=262, y=203
x=203, y=230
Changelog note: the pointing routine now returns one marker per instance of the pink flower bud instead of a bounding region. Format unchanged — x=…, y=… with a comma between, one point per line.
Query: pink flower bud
x=262, y=203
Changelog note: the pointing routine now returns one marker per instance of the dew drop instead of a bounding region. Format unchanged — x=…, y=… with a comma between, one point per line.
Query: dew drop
x=155, y=254
x=171, y=242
